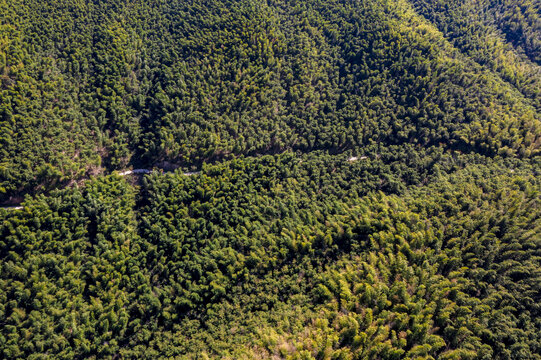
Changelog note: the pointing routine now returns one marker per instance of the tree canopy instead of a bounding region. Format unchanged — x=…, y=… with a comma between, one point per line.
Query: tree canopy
x=331, y=179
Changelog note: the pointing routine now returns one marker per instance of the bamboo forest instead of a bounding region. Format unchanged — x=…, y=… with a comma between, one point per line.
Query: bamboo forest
x=270, y=179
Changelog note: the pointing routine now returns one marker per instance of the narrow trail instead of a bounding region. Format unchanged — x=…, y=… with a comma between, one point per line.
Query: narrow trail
x=122, y=173
x=150, y=171
x=12, y=207
x=147, y=171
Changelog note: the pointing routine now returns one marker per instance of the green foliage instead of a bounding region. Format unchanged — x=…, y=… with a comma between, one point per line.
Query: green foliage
x=89, y=87
x=367, y=181
x=262, y=257
x=501, y=36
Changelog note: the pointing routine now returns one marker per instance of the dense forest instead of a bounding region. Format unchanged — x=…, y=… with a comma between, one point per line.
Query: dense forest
x=333, y=179
x=89, y=87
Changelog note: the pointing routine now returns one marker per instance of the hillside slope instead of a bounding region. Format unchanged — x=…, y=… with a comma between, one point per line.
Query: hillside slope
x=281, y=256
x=364, y=179
x=88, y=87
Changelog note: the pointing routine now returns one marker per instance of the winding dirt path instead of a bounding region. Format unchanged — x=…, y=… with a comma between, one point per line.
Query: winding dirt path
x=150, y=171
x=122, y=173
